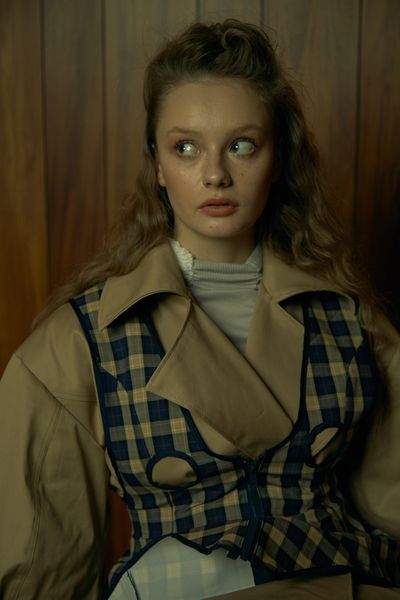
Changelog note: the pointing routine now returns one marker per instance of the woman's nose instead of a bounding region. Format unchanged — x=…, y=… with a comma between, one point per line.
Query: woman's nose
x=216, y=173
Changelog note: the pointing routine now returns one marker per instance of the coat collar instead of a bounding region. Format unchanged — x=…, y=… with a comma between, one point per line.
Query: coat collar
x=245, y=385
x=158, y=272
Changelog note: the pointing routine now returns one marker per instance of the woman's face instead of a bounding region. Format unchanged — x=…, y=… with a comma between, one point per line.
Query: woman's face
x=215, y=157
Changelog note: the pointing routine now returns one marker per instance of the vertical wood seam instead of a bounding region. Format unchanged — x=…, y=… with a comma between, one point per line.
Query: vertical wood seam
x=356, y=200
x=45, y=142
x=104, y=107
x=262, y=12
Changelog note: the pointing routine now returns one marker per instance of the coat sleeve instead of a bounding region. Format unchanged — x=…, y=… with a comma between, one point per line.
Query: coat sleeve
x=53, y=481
x=376, y=483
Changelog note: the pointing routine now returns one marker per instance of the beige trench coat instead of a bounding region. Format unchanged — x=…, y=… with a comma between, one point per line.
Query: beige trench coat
x=54, y=469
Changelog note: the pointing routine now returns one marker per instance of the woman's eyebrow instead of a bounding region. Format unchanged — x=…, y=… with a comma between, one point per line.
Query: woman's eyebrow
x=182, y=130
x=233, y=131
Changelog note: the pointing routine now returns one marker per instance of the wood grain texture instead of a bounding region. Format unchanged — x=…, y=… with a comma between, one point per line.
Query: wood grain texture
x=74, y=125
x=318, y=43
x=23, y=241
x=133, y=31
x=94, y=55
x=377, y=211
x=217, y=10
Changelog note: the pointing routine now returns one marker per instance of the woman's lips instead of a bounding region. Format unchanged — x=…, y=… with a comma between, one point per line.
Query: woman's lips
x=218, y=207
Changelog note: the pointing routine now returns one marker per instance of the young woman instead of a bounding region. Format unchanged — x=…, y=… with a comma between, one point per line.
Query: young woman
x=214, y=366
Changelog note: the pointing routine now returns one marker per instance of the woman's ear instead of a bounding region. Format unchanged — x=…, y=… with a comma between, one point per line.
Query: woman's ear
x=160, y=175
x=159, y=171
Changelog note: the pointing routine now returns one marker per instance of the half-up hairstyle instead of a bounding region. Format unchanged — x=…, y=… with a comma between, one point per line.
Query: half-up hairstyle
x=297, y=221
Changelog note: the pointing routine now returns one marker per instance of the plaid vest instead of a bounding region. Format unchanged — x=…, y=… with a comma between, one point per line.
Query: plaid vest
x=285, y=510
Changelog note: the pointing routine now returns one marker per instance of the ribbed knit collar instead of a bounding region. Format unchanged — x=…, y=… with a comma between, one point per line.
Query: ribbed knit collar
x=248, y=273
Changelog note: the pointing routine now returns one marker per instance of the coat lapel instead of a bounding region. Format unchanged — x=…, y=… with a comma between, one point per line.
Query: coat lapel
x=251, y=400
x=274, y=349
x=206, y=374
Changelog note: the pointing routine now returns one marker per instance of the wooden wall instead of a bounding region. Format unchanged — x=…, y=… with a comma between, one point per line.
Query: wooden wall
x=71, y=120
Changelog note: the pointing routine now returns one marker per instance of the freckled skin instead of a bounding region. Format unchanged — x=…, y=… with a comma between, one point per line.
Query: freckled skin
x=214, y=140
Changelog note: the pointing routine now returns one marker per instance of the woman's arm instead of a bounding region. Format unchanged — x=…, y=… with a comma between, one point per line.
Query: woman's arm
x=53, y=479
x=376, y=483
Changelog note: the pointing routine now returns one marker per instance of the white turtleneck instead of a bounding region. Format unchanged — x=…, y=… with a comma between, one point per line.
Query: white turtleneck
x=225, y=291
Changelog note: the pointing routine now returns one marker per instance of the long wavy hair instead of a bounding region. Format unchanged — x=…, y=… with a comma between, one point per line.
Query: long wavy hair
x=297, y=221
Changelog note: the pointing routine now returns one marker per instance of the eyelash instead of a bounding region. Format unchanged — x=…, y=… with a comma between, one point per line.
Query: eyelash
x=245, y=139
x=181, y=143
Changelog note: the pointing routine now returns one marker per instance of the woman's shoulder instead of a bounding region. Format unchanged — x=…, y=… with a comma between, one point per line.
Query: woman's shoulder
x=57, y=354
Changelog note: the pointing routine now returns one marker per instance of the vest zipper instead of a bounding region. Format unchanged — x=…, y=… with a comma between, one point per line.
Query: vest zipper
x=253, y=527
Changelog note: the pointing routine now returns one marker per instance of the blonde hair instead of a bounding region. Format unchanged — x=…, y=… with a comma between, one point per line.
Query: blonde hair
x=297, y=221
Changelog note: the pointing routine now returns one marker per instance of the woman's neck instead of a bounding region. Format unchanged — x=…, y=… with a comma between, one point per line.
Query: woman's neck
x=219, y=250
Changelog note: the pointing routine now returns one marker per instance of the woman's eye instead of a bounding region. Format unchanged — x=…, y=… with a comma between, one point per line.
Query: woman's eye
x=186, y=149
x=243, y=147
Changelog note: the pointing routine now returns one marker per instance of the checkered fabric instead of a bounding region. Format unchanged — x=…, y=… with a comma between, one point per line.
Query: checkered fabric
x=286, y=509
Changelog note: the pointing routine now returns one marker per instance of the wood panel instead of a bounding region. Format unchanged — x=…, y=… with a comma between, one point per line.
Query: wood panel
x=74, y=126
x=90, y=111
x=216, y=10
x=23, y=241
x=318, y=42
x=378, y=198
x=133, y=30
